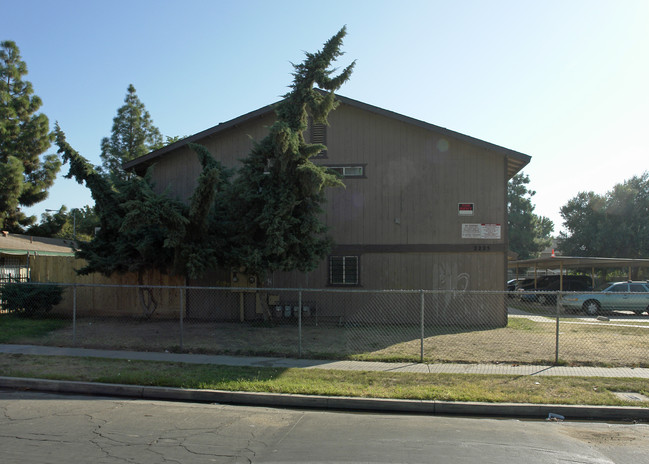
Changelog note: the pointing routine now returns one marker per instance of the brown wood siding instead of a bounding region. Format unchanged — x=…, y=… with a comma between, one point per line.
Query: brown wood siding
x=179, y=170
x=411, y=271
x=414, y=180
x=457, y=275
x=412, y=187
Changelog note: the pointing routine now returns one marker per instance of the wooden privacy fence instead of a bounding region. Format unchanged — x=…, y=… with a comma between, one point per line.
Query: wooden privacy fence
x=109, y=296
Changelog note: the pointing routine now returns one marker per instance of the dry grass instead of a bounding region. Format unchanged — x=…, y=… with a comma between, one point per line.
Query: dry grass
x=523, y=341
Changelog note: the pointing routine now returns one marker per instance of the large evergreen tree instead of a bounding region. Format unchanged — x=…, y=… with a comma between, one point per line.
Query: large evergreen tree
x=24, y=137
x=276, y=198
x=529, y=233
x=265, y=220
x=115, y=249
x=141, y=230
x=133, y=135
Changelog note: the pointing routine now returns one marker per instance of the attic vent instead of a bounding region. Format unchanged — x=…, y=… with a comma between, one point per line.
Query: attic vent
x=318, y=135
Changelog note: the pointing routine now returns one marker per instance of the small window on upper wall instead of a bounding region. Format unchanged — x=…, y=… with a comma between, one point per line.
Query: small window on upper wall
x=318, y=135
x=349, y=171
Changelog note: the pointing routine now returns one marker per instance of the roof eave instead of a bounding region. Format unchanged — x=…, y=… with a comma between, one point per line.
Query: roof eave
x=516, y=161
x=152, y=156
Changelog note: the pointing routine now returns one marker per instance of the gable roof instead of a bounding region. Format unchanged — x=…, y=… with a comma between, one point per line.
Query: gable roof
x=515, y=160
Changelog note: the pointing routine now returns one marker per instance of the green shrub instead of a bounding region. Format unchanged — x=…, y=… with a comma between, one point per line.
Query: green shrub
x=30, y=299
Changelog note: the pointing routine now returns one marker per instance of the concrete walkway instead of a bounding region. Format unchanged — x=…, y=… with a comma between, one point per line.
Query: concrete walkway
x=512, y=410
x=441, y=368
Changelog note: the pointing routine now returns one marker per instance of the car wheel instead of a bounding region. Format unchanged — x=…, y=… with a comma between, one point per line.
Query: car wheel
x=591, y=307
x=543, y=299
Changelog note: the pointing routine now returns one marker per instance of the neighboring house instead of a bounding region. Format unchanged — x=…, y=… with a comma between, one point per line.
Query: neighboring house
x=24, y=258
x=18, y=252
x=552, y=250
x=423, y=208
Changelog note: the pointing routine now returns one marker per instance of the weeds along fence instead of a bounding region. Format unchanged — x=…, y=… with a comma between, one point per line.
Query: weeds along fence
x=377, y=325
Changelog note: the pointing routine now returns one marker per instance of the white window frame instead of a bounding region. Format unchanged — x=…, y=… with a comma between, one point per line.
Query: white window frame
x=356, y=170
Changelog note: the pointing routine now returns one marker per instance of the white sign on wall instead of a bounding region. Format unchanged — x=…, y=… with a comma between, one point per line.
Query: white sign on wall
x=481, y=231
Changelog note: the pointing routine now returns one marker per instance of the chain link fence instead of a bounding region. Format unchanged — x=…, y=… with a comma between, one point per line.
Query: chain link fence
x=391, y=325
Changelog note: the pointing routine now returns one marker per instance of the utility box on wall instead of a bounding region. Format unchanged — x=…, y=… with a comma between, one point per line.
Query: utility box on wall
x=241, y=280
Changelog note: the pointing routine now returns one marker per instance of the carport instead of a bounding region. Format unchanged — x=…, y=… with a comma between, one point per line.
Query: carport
x=563, y=263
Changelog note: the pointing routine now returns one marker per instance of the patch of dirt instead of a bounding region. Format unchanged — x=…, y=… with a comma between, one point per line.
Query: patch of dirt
x=612, y=435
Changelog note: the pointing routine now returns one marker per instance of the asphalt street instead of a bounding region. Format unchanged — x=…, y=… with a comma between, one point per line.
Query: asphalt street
x=50, y=428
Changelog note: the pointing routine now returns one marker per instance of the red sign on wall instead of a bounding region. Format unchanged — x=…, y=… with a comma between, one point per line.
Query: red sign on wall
x=465, y=209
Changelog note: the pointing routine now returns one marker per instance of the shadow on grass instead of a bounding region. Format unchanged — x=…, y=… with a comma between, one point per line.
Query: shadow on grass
x=523, y=341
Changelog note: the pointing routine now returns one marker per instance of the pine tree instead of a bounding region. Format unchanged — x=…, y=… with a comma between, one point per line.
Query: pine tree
x=115, y=249
x=141, y=230
x=194, y=232
x=266, y=220
x=24, y=137
x=276, y=199
x=133, y=135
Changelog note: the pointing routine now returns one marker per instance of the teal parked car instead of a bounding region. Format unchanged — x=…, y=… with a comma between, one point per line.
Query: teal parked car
x=619, y=296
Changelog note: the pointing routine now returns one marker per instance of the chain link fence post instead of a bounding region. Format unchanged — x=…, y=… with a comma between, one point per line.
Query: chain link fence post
x=74, y=314
x=299, y=323
x=556, y=352
x=182, y=315
x=422, y=307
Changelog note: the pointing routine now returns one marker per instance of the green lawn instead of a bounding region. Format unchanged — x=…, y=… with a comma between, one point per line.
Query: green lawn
x=441, y=387
x=14, y=328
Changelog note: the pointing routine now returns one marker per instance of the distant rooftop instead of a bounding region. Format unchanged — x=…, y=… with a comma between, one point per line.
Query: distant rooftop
x=573, y=262
x=17, y=244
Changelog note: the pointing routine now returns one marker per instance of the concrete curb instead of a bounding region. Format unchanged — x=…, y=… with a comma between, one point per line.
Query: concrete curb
x=513, y=410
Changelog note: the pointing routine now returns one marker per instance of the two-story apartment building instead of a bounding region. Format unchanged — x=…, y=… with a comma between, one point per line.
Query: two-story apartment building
x=424, y=207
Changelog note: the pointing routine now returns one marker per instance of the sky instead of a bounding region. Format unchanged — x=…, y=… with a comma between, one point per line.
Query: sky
x=566, y=82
